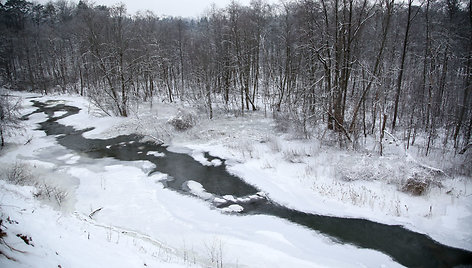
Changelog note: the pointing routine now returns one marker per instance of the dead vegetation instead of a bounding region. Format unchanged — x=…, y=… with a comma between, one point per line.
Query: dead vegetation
x=4, y=234
x=21, y=174
x=419, y=185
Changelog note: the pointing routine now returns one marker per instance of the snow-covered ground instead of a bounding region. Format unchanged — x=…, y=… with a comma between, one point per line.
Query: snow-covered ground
x=116, y=215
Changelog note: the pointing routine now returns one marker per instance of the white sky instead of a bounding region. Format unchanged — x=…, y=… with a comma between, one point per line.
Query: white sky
x=183, y=8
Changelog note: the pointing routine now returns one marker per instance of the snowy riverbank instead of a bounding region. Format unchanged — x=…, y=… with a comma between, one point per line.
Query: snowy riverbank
x=142, y=223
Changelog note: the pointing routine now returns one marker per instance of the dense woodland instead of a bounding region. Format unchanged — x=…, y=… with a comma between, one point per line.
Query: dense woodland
x=351, y=67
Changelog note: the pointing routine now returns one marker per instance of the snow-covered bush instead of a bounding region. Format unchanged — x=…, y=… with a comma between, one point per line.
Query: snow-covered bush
x=247, y=149
x=282, y=122
x=51, y=193
x=274, y=144
x=408, y=176
x=294, y=155
x=9, y=115
x=18, y=174
x=183, y=120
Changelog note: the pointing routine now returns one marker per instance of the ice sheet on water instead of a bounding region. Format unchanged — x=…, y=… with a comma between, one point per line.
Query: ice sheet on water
x=197, y=189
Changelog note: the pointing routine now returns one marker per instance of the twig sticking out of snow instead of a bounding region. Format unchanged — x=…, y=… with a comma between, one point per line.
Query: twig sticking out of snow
x=95, y=211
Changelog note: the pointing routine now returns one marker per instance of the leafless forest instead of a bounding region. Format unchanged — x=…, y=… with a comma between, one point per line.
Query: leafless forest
x=350, y=67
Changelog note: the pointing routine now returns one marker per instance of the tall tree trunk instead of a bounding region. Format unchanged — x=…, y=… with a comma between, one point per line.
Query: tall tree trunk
x=402, y=65
x=2, y=138
x=465, y=98
x=389, y=5
x=467, y=86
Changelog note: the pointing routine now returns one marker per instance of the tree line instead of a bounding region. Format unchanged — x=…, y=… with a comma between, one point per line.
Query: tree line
x=356, y=67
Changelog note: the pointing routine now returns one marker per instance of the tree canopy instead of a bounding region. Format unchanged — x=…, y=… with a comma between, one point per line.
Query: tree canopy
x=347, y=65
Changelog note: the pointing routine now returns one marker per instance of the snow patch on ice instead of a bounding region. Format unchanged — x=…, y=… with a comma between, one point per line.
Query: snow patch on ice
x=216, y=162
x=230, y=198
x=156, y=154
x=197, y=189
x=69, y=159
x=179, y=149
x=233, y=208
x=200, y=157
x=65, y=157
x=274, y=236
x=147, y=166
x=59, y=113
x=218, y=200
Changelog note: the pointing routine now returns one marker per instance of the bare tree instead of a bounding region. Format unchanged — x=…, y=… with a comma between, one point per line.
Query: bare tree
x=329, y=64
x=9, y=115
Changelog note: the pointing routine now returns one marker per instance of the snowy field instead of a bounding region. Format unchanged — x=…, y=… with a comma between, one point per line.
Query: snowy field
x=109, y=213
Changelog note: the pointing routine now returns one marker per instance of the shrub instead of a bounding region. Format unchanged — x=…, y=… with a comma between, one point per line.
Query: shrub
x=293, y=155
x=415, y=186
x=419, y=185
x=182, y=121
x=282, y=122
x=51, y=193
x=18, y=174
x=274, y=144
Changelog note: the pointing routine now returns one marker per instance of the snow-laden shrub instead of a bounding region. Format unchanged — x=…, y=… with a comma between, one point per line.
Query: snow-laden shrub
x=18, y=174
x=282, y=122
x=247, y=149
x=293, y=155
x=290, y=123
x=407, y=176
x=10, y=123
x=183, y=120
x=21, y=174
x=51, y=193
x=274, y=144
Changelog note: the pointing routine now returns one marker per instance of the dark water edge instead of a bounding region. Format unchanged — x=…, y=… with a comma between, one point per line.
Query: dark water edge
x=408, y=248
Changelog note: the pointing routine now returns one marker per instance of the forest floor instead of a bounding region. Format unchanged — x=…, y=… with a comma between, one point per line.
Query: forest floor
x=114, y=214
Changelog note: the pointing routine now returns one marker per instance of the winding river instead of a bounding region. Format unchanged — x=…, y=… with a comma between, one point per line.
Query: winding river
x=408, y=248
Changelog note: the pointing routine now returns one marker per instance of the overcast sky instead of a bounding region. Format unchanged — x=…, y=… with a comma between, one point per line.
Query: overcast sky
x=183, y=8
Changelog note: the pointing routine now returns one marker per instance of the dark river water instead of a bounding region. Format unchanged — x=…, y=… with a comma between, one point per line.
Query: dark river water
x=408, y=248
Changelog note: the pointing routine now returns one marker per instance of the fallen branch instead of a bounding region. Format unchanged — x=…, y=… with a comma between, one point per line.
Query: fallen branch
x=437, y=170
x=95, y=211
x=29, y=140
x=8, y=257
x=139, y=126
x=393, y=137
x=154, y=138
x=2, y=242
